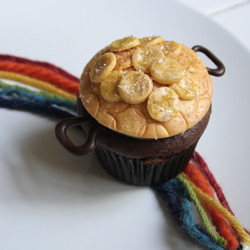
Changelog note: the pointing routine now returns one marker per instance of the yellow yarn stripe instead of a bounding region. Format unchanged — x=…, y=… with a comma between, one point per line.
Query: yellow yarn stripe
x=214, y=203
x=204, y=217
x=37, y=84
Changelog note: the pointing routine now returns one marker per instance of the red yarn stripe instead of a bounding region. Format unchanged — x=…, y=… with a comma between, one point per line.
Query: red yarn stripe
x=222, y=226
x=46, y=65
x=218, y=190
x=40, y=73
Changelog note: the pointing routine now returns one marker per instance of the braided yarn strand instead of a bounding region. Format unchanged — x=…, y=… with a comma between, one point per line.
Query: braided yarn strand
x=43, y=93
x=218, y=190
x=173, y=195
x=199, y=179
x=37, y=84
x=44, y=65
x=26, y=105
x=42, y=74
x=17, y=92
x=209, y=228
x=214, y=203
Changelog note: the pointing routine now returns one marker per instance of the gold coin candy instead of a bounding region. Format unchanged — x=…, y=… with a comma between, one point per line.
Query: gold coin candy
x=135, y=87
x=162, y=104
x=124, y=43
x=108, y=87
x=186, y=88
x=135, y=70
x=152, y=40
x=170, y=48
x=102, y=67
x=144, y=57
x=124, y=59
x=167, y=71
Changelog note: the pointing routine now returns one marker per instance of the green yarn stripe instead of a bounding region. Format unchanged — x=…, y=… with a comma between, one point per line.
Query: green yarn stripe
x=40, y=93
x=204, y=217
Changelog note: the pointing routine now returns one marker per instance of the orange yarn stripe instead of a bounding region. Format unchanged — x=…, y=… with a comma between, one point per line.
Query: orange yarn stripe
x=42, y=74
x=199, y=179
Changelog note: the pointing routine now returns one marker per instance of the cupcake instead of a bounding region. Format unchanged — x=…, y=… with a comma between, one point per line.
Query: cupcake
x=143, y=104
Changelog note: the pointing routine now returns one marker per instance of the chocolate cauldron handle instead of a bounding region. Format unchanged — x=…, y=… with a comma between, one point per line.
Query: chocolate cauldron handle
x=61, y=133
x=220, y=70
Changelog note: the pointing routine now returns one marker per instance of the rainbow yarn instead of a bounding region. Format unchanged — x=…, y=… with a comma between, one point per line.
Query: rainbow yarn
x=59, y=88
x=194, y=191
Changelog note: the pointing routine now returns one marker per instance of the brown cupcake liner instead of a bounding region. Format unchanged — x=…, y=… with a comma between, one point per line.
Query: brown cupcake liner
x=138, y=172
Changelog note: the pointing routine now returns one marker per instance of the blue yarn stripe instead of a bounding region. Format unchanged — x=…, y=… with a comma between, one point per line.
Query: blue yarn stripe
x=173, y=194
x=31, y=96
x=34, y=107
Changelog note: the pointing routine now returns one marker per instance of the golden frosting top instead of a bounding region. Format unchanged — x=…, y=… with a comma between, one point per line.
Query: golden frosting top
x=146, y=87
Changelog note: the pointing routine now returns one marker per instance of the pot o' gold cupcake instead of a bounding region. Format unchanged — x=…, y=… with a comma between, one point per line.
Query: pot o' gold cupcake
x=144, y=103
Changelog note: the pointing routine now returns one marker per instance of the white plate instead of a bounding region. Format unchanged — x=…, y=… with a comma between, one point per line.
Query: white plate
x=50, y=199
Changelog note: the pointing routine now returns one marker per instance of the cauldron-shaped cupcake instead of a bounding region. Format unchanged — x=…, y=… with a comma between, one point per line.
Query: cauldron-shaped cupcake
x=143, y=104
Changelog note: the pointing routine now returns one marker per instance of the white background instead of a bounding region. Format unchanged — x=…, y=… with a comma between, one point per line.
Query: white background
x=50, y=199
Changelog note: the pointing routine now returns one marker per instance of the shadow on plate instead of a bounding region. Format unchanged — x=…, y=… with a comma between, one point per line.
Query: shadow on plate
x=49, y=172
